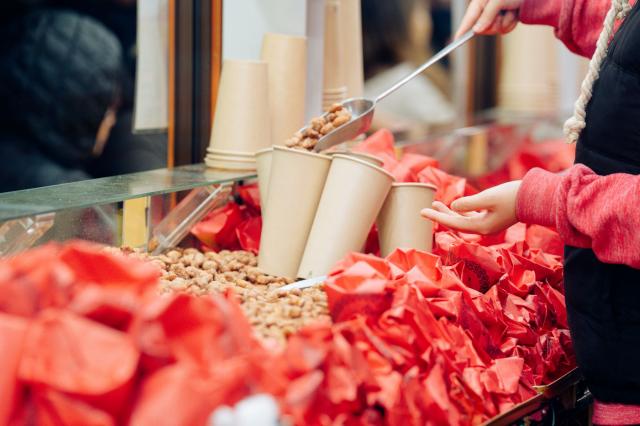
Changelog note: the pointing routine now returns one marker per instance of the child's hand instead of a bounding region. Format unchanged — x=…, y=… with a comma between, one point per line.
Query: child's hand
x=488, y=212
x=490, y=16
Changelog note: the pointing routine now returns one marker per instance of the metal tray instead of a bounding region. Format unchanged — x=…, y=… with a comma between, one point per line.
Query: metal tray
x=561, y=389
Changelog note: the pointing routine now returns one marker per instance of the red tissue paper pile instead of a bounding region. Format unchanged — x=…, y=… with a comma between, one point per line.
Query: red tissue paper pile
x=87, y=340
x=450, y=338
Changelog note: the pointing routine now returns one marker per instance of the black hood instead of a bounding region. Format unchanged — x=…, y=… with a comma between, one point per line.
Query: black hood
x=59, y=73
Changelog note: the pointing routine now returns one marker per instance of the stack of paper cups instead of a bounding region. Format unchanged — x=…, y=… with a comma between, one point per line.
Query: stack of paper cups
x=351, y=200
x=242, y=122
x=286, y=57
x=351, y=26
x=335, y=85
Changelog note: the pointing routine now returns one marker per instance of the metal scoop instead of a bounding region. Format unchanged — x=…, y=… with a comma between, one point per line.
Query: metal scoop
x=362, y=109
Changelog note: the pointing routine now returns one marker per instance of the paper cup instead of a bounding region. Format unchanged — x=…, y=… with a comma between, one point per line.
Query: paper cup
x=242, y=120
x=337, y=91
x=295, y=186
x=334, y=72
x=351, y=200
x=227, y=164
x=230, y=153
x=365, y=157
x=477, y=142
x=231, y=158
x=263, y=164
x=400, y=223
x=223, y=165
x=352, y=51
x=286, y=57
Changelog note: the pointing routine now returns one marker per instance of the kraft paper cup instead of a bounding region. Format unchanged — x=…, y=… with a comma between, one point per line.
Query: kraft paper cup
x=337, y=95
x=242, y=121
x=233, y=159
x=372, y=159
x=400, y=223
x=230, y=153
x=337, y=91
x=477, y=143
x=351, y=200
x=295, y=186
x=229, y=165
x=263, y=164
x=286, y=57
x=334, y=72
x=352, y=51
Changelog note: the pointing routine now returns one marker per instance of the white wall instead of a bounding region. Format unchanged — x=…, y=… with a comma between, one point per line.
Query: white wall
x=245, y=22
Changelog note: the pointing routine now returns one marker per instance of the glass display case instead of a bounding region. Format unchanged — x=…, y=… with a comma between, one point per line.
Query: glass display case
x=132, y=209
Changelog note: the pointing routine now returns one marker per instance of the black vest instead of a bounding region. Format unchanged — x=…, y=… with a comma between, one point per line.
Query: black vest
x=603, y=300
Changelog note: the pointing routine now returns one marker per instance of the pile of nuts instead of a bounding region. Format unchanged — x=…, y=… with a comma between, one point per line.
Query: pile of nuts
x=307, y=139
x=273, y=314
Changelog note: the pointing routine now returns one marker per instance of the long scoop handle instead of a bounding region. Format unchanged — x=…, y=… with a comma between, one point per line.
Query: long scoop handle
x=441, y=54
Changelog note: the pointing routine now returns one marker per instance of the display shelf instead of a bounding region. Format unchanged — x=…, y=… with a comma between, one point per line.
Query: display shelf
x=562, y=391
x=89, y=193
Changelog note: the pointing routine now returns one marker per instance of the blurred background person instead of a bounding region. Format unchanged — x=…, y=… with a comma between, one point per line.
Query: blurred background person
x=397, y=38
x=66, y=101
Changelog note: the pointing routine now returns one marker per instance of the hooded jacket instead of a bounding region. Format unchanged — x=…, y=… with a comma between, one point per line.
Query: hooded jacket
x=59, y=73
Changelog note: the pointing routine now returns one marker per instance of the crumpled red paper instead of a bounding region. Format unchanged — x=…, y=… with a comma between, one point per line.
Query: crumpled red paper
x=552, y=155
x=92, y=342
x=452, y=337
x=236, y=225
x=13, y=331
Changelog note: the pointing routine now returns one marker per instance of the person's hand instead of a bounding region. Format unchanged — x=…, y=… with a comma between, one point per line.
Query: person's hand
x=485, y=213
x=490, y=17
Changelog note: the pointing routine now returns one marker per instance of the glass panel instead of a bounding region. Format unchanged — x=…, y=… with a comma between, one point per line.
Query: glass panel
x=20, y=234
x=100, y=224
x=94, y=192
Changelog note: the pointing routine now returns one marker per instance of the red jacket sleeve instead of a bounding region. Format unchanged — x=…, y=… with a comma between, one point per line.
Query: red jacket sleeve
x=588, y=211
x=577, y=23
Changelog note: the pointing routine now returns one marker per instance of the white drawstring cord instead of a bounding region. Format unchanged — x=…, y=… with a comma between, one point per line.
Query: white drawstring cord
x=574, y=125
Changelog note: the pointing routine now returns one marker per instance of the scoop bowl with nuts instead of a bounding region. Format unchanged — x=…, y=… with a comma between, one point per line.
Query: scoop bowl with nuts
x=341, y=123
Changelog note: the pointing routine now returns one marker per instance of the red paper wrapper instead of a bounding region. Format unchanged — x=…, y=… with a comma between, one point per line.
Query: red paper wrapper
x=103, y=361
x=12, y=335
x=248, y=234
x=452, y=337
x=217, y=230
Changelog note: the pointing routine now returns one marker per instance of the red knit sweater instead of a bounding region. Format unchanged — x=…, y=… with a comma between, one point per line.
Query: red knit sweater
x=589, y=211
